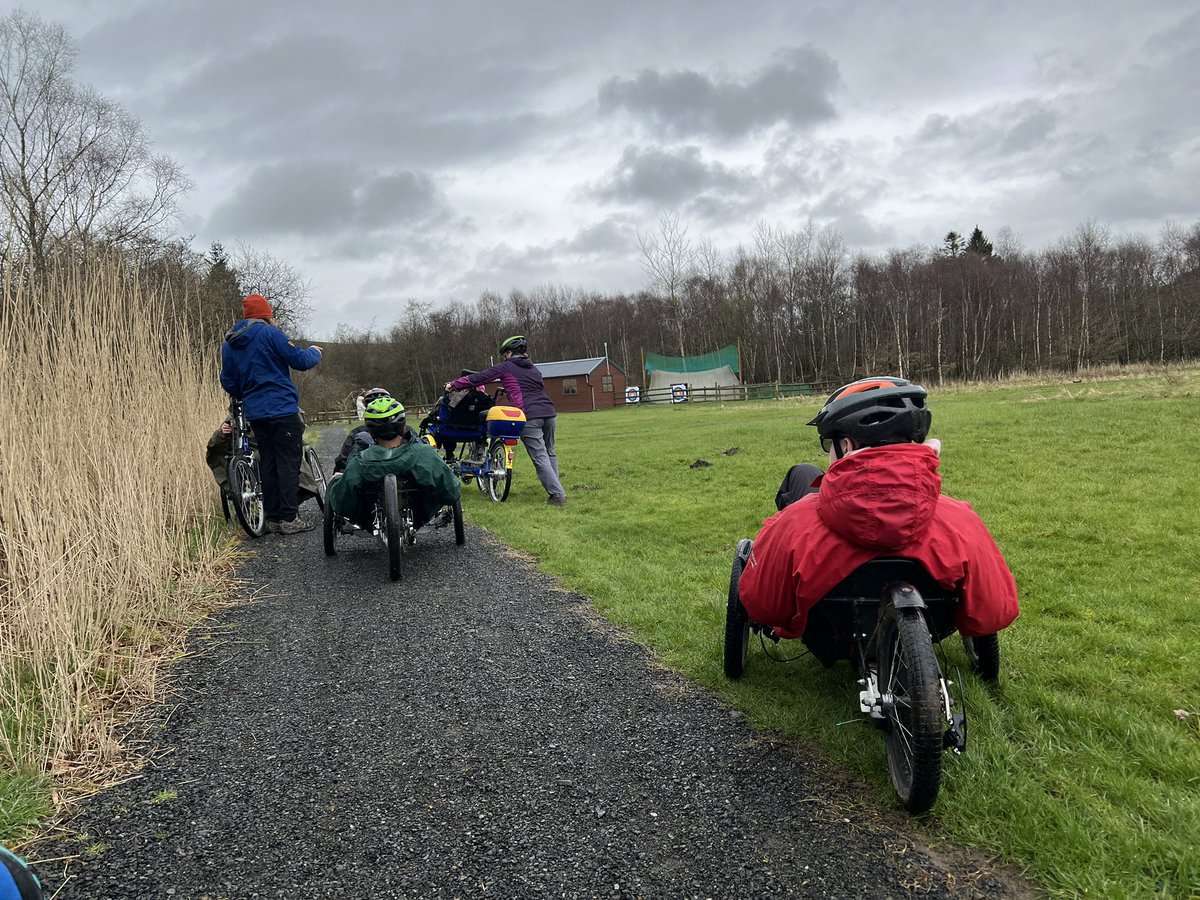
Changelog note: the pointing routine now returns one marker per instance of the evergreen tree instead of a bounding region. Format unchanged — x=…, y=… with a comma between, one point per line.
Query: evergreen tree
x=952, y=244
x=979, y=245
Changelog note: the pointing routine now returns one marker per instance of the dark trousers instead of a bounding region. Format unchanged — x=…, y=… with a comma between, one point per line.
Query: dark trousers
x=280, y=447
x=797, y=483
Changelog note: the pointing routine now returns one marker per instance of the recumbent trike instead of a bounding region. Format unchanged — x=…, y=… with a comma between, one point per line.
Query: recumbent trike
x=884, y=618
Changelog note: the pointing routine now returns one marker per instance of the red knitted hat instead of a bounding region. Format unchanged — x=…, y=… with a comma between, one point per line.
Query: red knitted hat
x=256, y=307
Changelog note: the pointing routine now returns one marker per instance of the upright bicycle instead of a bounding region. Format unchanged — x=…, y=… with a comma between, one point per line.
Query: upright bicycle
x=244, y=487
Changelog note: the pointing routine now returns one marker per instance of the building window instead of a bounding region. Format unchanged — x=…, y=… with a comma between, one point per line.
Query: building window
x=569, y=386
x=606, y=383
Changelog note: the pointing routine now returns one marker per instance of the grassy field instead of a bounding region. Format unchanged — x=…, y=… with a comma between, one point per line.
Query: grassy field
x=1080, y=768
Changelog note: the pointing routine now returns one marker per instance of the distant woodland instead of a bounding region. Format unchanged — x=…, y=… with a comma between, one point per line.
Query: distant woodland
x=806, y=308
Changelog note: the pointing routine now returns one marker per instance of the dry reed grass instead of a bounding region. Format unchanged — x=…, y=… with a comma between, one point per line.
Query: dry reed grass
x=107, y=532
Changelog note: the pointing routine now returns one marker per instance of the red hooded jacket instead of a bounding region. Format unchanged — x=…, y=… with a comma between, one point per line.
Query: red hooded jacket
x=880, y=501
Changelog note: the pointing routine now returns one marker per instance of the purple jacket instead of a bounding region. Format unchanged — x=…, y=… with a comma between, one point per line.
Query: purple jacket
x=521, y=381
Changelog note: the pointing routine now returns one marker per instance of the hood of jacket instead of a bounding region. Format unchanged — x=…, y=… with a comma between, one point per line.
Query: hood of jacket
x=881, y=498
x=240, y=334
x=521, y=361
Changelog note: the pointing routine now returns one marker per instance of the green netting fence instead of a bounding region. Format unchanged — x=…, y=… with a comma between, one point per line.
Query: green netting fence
x=704, y=362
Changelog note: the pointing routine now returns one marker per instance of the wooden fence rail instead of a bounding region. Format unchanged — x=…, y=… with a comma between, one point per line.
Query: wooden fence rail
x=764, y=391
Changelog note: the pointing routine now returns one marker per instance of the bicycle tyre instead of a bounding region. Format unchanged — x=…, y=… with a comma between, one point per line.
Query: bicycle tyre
x=329, y=529
x=392, y=532
x=909, y=676
x=246, y=493
x=984, y=653
x=314, y=463
x=737, y=626
x=498, y=485
x=460, y=531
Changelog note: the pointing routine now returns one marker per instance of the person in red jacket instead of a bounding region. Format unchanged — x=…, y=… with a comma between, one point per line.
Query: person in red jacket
x=881, y=496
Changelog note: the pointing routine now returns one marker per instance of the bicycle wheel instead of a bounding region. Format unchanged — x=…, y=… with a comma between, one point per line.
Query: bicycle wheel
x=314, y=464
x=329, y=527
x=984, y=653
x=460, y=531
x=393, y=534
x=912, y=704
x=499, y=473
x=245, y=491
x=737, y=625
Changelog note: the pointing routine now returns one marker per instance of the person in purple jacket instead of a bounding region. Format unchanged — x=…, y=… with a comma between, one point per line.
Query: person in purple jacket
x=256, y=360
x=523, y=383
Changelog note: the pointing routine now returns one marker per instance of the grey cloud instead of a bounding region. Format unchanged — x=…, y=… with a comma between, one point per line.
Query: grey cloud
x=322, y=198
x=1003, y=129
x=796, y=88
x=667, y=177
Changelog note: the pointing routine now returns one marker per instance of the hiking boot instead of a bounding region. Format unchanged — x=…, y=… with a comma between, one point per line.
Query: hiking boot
x=271, y=527
x=444, y=518
x=295, y=526
x=556, y=501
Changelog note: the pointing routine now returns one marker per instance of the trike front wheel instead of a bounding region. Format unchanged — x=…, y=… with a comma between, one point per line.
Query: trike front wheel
x=912, y=702
x=393, y=532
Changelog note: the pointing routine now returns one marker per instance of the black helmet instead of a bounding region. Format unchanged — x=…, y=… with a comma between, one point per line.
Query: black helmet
x=384, y=418
x=516, y=343
x=374, y=394
x=872, y=411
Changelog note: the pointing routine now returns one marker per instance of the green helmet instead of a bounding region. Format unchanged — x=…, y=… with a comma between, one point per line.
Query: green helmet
x=516, y=343
x=384, y=418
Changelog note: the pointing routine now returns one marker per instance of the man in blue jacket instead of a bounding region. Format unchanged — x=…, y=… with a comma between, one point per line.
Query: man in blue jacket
x=255, y=362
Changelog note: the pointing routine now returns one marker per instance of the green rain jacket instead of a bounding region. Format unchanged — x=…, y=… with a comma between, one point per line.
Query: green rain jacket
x=437, y=486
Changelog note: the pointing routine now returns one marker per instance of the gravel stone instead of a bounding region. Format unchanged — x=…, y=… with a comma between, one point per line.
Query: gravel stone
x=471, y=731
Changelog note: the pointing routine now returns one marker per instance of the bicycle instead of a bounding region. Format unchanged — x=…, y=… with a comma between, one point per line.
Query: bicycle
x=245, y=482
x=484, y=449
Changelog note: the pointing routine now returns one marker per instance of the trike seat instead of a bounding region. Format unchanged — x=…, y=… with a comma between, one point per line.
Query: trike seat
x=852, y=606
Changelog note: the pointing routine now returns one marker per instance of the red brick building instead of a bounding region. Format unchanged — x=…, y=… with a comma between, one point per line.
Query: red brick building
x=583, y=385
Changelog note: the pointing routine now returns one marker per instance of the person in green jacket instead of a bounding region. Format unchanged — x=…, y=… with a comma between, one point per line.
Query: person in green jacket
x=388, y=448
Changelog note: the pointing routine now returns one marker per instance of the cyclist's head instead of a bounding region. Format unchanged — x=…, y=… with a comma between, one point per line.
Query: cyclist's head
x=515, y=344
x=384, y=418
x=873, y=411
x=16, y=881
x=255, y=306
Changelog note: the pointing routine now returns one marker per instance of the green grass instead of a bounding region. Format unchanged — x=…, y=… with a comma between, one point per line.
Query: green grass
x=1078, y=769
x=24, y=801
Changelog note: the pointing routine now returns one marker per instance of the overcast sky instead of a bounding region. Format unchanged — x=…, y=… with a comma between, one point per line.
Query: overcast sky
x=432, y=150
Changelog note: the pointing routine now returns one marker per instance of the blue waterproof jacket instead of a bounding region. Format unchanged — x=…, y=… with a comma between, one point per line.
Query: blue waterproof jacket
x=255, y=359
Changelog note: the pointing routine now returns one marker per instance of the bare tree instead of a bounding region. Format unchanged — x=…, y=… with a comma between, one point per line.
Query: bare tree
x=259, y=272
x=73, y=166
x=667, y=262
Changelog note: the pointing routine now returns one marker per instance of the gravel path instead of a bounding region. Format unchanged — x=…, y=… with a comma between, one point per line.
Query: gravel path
x=468, y=732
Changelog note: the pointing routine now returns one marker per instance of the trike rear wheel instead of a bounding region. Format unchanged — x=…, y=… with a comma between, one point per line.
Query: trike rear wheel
x=318, y=474
x=984, y=653
x=737, y=625
x=911, y=688
x=329, y=527
x=500, y=478
x=460, y=530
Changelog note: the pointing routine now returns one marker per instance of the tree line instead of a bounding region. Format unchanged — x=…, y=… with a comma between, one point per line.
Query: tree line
x=805, y=309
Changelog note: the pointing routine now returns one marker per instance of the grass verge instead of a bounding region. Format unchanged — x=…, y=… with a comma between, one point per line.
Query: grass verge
x=1084, y=764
